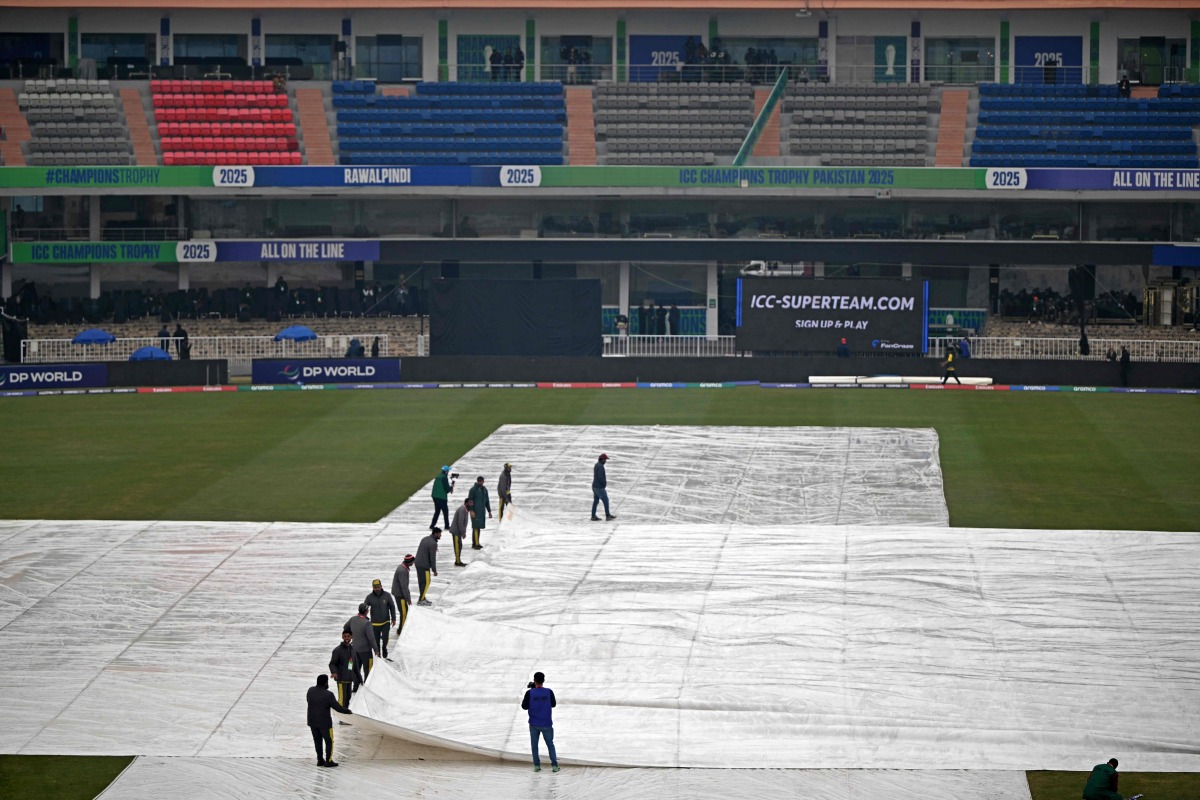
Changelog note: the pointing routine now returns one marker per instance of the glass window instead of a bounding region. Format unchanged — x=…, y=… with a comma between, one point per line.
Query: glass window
x=609, y=276
x=388, y=59
x=1038, y=221
x=668, y=284
x=576, y=59
x=1152, y=60
x=297, y=50
x=24, y=53
x=963, y=220
x=872, y=59
x=193, y=48
x=960, y=60
x=487, y=57
x=1129, y=222
x=763, y=58
x=118, y=48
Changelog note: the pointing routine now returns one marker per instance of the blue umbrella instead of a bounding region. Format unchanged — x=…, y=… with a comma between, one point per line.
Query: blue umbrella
x=150, y=354
x=93, y=336
x=295, y=333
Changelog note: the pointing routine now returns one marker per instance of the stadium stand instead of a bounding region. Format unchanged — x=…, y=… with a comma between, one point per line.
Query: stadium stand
x=14, y=130
x=451, y=123
x=672, y=123
x=74, y=122
x=860, y=125
x=1074, y=125
x=211, y=122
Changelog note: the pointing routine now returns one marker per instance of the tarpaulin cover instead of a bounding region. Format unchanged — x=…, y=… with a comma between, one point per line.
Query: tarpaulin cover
x=724, y=619
x=515, y=318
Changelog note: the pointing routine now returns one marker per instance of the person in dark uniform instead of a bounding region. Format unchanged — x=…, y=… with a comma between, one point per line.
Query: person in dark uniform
x=427, y=563
x=504, y=489
x=459, y=527
x=164, y=338
x=1102, y=783
x=320, y=721
x=600, y=488
x=182, y=345
x=383, y=614
x=1124, y=365
x=343, y=668
x=443, y=487
x=843, y=350
x=365, y=646
x=951, y=371
x=481, y=503
x=400, y=592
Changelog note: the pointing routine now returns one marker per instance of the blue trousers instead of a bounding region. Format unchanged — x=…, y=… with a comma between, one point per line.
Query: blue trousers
x=597, y=496
x=548, y=732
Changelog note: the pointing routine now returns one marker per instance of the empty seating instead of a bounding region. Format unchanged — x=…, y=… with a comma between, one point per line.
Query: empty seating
x=669, y=123
x=860, y=125
x=213, y=122
x=74, y=122
x=451, y=123
x=1077, y=125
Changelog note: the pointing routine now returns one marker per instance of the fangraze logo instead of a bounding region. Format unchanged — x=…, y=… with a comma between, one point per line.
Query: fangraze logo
x=290, y=372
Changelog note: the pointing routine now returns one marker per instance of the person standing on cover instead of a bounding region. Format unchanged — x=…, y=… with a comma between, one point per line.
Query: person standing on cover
x=320, y=721
x=364, y=639
x=426, y=563
x=383, y=614
x=600, y=488
x=1102, y=783
x=481, y=503
x=504, y=489
x=538, y=701
x=400, y=592
x=443, y=487
x=343, y=668
x=458, y=529
x=951, y=370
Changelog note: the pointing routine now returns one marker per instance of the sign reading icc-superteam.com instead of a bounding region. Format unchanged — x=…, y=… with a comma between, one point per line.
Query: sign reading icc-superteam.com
x=809, y=315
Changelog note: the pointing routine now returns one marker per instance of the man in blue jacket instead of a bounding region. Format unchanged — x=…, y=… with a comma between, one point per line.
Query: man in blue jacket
x=538, y=702
x=600, y=488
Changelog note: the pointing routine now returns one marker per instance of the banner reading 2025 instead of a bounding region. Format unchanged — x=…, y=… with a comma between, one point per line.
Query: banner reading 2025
x=813, y=316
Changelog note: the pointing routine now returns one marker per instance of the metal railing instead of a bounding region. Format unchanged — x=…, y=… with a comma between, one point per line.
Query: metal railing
x=760, y=122
x=1019, y=347
x=238, y=350
x=686, y=346
x=106, y=235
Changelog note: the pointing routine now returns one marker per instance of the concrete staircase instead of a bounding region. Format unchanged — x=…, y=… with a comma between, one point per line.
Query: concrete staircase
x=132, y=102
x=768, y=144
x=314, y=127
x=952, y=128
x=15, y=128
x=581, y=127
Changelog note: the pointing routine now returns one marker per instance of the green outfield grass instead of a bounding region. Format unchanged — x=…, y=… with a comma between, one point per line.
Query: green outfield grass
x=1010, y=460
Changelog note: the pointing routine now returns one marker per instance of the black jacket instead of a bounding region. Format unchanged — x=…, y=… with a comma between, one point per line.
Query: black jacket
x=599, y=478
x=344, y=665
x=320, y=701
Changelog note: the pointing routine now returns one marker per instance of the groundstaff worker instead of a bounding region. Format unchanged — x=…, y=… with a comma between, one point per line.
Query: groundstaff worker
x=400, y=591
x=600, y=488
x=458, y=529
x=365, y=645
x=427, y=563
x=343, y=668
x=320, y=721
x=1102, y=783
x=951, y=370
x=504, y=489
x=481, y=503
x=443, y=487
x=383, y=614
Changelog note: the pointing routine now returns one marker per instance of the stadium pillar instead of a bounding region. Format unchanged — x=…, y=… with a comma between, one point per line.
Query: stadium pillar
x=5, y=280
x=710, y=310
x=273, y=271
x=94, y=218
x=94, y=281
x=623, y=289
x=182, y=278
x=906, y=270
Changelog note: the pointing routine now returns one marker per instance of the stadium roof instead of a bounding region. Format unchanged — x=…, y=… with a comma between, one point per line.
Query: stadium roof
x=723, y=5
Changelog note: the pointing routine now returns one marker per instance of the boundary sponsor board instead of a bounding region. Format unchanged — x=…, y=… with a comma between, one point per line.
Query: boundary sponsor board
x=53, y=376
x=299, y=250
x=804, y=315
x=93, y=252
x=317, y=371
x=237, y=180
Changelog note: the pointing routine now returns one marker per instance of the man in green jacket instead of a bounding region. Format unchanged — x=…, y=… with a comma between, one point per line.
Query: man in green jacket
x=481, y=503
x=443, y=487
x=1102, y=783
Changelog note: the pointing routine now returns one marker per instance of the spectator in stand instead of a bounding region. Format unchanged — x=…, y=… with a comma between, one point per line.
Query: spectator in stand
x=518, y=64
x=1124, y=365
x=1111, y=355
x=673, y=320
x=375, y=348
x=164, y=338
x=660, y=325
x=495, y=63
x=964, y=347
x=182, y=345
x=1123, y=87
x=843, y=350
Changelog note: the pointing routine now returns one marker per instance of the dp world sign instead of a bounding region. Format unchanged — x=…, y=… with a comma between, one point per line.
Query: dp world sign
x=326, y=370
